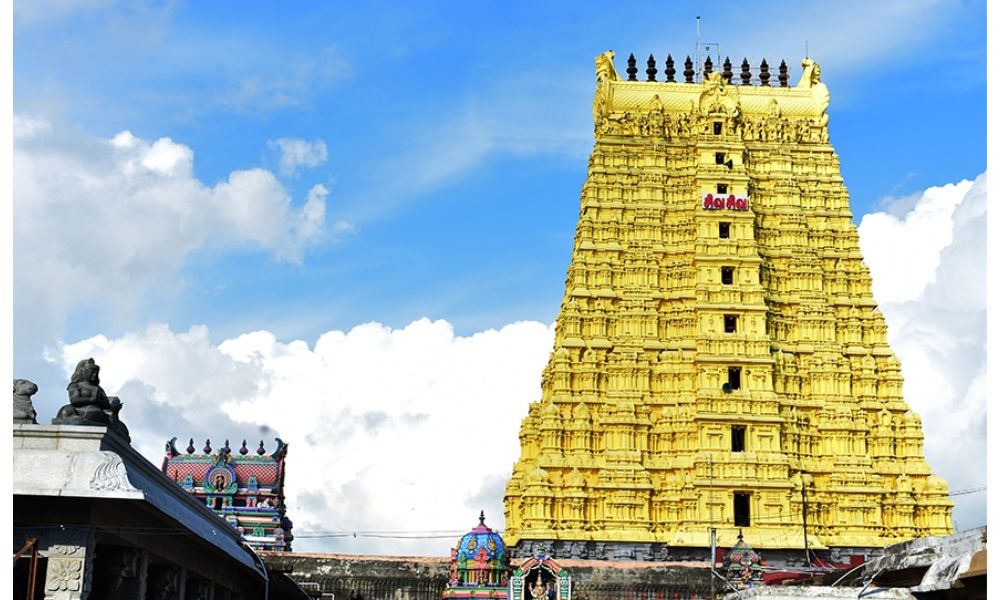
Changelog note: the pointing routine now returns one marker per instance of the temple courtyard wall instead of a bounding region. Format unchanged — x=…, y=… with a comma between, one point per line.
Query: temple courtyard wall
x=353, y=577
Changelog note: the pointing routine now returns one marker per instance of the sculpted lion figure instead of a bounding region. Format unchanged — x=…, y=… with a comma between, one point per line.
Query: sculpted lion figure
x=810, y=73
x=605, y=67
x=24, y=411
x=88, y=404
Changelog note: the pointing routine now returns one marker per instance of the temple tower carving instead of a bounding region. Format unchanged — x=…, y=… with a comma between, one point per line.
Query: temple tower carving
x=720, y=361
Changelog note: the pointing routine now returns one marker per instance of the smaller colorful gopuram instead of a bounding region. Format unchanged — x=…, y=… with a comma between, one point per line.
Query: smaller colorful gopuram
x=245, y=488
x=742, y=566
x=479, y=565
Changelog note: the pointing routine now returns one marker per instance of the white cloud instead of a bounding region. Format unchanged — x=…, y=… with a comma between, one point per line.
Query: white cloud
x=392, y=428
x=27, y=127
x=388, y=429
x=102, y=222
x=278, y=80
x=916, y=239
x=297, y=153
x=314, y=214
x=929, y=271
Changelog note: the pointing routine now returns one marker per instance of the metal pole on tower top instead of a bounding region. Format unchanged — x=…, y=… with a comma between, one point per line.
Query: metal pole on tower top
x=697, y=48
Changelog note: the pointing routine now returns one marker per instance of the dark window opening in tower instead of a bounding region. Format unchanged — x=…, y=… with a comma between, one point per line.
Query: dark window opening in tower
x=721, y=188
x=727, y=275
x=724, y=229
x=738, y=435
x=720, y=157
x=717, y=128
x=729, y=323
x=734, y=378
x=741, y=509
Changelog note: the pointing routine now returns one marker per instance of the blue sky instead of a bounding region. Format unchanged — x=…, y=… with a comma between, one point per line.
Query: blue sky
x=458, y=134
x=456, y=138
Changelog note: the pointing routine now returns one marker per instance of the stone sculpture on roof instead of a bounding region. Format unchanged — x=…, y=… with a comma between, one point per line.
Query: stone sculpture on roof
x=88, y=404
x=24, y=411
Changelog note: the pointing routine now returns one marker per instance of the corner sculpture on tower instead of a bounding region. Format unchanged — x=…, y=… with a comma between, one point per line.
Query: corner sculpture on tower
x=719, y=359
x=88, y=404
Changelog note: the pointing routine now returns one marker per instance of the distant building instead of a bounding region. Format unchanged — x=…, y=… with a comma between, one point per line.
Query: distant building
x=244, y=488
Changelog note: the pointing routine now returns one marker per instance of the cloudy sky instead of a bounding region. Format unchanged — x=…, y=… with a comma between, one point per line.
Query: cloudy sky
x=349, y=226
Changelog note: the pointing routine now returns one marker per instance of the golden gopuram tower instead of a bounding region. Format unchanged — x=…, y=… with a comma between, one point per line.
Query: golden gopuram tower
x=719, y=361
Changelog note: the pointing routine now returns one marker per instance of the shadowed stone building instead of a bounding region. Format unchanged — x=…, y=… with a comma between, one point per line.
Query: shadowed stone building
x=94, y=519
x=107, y=524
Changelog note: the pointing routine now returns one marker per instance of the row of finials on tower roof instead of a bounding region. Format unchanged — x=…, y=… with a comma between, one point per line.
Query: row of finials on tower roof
x=172, y=447
x=764, y=73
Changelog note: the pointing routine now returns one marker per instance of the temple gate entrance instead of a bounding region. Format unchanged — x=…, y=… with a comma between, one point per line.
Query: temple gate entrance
x=540, y=578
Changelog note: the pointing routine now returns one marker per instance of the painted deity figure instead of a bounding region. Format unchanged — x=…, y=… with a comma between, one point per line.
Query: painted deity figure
x=88, y=404
x=538, y=591
x=745, y=572
x=453, y=570
x=482, y=572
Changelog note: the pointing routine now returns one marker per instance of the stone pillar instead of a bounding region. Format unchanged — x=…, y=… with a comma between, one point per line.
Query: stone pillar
x=70, y=560
x=165, y=582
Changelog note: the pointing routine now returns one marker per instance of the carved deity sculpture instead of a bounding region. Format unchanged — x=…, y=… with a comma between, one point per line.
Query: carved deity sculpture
x=88, y=404
x=24, y=411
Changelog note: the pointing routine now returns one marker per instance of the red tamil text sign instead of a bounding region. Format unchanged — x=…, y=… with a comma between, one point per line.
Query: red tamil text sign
x=730, y=202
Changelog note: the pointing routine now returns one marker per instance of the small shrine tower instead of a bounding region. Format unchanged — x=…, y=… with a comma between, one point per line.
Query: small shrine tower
x=719, y=362
x=479, y=565
x=245, y=488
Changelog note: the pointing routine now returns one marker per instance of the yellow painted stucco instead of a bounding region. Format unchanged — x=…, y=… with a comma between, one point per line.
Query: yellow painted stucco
x=632, y=437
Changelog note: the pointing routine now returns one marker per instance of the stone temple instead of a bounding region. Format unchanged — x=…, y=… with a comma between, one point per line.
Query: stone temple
x=720, y=363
